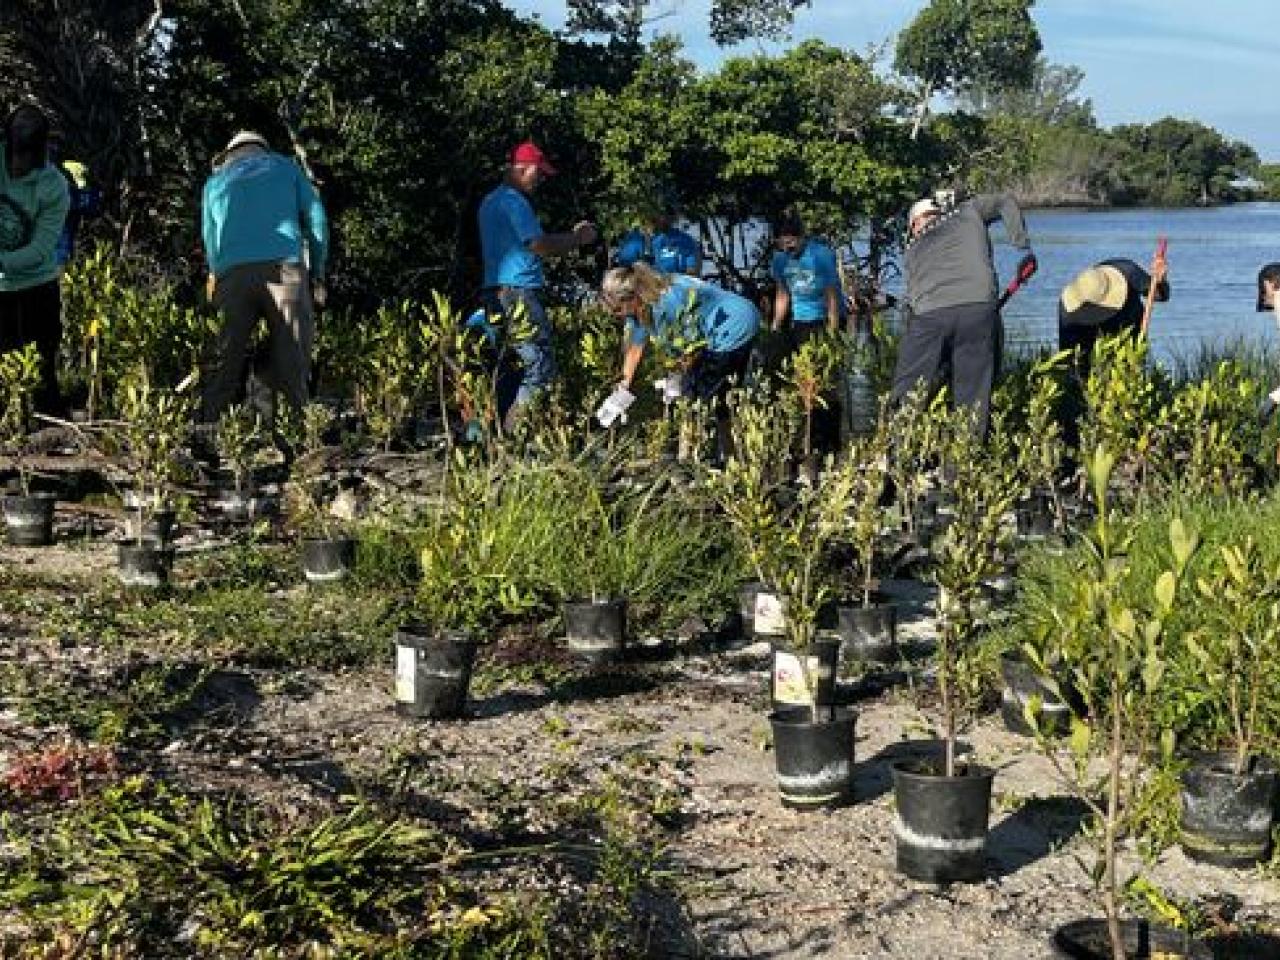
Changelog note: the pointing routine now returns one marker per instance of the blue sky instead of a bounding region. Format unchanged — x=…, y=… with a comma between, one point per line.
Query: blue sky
x=1216, y=61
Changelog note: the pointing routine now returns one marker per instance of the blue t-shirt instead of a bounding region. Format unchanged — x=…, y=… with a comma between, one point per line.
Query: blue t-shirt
x=262, y=208
x=672, y=251
x=807, y=277
x=507, y=226
x=706, y=312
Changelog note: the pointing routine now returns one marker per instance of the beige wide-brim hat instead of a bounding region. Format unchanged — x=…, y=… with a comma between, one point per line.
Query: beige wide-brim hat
x=242, y=139
x=1094, y=295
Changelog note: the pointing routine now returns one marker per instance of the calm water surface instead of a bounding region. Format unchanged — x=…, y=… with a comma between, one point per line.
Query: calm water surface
x=1214, y=257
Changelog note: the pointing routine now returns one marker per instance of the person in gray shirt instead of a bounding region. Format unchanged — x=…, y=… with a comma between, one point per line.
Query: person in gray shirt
x=952, y=299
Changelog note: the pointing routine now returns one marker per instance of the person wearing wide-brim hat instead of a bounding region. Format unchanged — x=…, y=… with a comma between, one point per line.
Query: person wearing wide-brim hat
x=1105, y=299
x=1101, y=301
x=266, y=239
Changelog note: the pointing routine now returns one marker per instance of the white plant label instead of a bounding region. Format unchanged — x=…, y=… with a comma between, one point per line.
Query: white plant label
x=771, y=615
x=406, y=674
x=788, y=679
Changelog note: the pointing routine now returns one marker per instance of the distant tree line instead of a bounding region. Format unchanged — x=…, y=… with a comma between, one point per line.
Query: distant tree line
x=403, y=111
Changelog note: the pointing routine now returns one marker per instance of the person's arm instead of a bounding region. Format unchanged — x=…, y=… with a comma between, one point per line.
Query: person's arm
x=1139, y=280
x=691, y=261
x=1001, y=206
x=831, y=290
x=54, y=202
x=316, y=225
x=558, y=244
x=781, y=294
x=781, y=304
x=832, y=294
x=631, y=358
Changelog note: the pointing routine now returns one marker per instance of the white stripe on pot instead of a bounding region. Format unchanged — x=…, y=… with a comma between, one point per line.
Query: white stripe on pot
x=961, y=845
x=835, y=772
x=1008, y=696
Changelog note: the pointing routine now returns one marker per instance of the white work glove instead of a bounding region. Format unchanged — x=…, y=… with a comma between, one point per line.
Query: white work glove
x=615, y=406
x=671, y=388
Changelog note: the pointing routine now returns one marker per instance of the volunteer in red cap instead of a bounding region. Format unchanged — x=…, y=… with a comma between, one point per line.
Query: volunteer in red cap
x=513, y=245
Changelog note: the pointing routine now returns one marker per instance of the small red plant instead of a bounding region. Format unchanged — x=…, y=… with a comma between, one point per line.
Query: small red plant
x=57, y=773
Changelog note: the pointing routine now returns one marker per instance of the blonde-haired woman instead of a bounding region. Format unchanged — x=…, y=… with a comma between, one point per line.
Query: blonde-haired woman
x=679, y=311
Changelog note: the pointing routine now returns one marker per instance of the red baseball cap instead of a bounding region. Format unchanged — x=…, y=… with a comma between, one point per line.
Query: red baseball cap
x=529, y=152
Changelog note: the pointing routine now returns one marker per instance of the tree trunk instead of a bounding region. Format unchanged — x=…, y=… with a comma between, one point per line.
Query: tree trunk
x=1110, y=901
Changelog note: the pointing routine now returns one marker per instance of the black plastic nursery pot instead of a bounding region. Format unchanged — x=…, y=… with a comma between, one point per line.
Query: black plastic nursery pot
x=868, y=634
x=941, y=825
x=1143, y=940
x=242, y=506
x=1021, y=683
x=814, y=757
x=787, y=678
x=1227, y=818
x=596, y=630
x=747, y=594
x=1034, y=515
x=433, y=671
x=160, y=526
x=145, y=565
x=327, y=561
x=29, y=520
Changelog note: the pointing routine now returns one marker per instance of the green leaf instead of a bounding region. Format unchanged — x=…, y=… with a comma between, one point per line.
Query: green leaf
x=1182, y=542
x=1080, y=739
x=1166, y=588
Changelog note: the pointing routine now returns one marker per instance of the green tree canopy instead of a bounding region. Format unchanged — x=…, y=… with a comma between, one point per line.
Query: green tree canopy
x=954, y=44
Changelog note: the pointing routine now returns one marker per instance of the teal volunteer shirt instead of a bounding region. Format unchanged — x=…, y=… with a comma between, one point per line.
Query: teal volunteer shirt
x=724, y=320
x=807, y=277
x=32, y=213
x=507, y=226
x=262, y=208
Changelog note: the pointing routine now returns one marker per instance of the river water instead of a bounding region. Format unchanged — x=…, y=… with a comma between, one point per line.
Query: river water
x=1214, y=256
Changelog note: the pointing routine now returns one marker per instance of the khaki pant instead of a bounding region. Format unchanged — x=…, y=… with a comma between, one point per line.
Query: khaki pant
x=280, y=293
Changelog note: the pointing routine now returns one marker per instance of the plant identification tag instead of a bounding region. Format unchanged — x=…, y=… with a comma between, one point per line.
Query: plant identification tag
x=406, y=674
x=788, y=679
x=771, y=615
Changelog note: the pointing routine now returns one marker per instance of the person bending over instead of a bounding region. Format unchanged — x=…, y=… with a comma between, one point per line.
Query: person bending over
x=952, y=301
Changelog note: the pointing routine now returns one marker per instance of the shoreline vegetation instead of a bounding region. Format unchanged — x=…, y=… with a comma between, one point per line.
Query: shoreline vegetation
x=849, y=138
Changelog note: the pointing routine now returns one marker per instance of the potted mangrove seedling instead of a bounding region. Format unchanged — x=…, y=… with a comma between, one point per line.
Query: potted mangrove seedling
x=789, y=542
x=239, y=438
x=1228, y=798
x=389, y=371
x=480, y=545
x=943, y=804
x=327, y=552
x=811, y=373
x=599, y=566
x=1041, y=451
x=154, y=428
x=915, y=426
x=760, y=429
x=1114, y=649
x=867, y=625
x=28, y=516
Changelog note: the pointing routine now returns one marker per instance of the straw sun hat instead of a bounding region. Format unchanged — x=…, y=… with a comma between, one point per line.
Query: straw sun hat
x=1094, y=296
x=242, y=139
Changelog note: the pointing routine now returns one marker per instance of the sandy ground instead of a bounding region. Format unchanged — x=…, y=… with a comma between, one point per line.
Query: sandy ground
x=759, y=881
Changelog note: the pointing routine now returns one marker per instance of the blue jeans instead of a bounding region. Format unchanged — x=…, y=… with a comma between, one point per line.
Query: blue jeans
x=536, y=361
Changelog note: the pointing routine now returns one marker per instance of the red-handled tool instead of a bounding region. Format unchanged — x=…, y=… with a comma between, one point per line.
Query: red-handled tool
x=1026, y=270
x=1157, y=270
